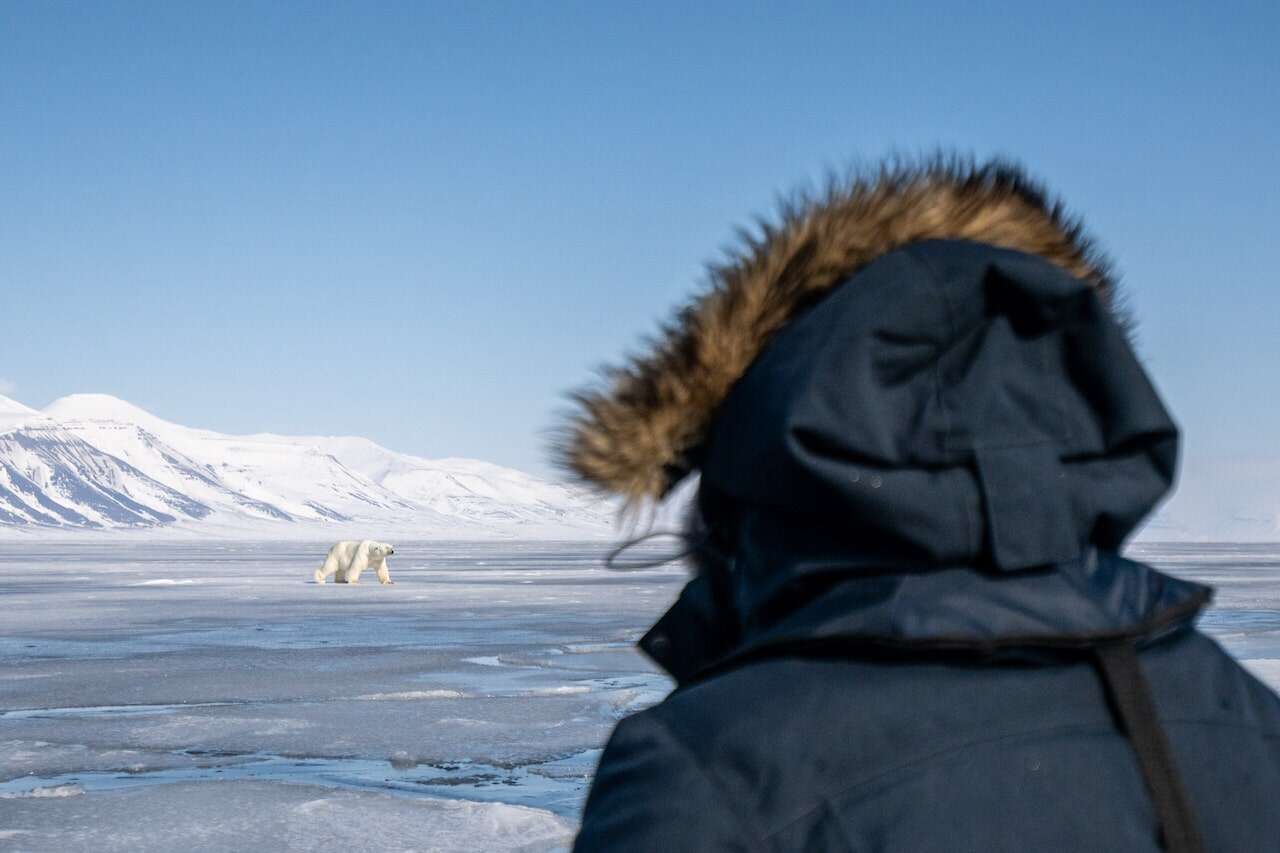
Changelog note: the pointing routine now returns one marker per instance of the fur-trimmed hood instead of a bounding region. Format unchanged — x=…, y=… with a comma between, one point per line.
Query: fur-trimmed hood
x=640, y=433
x=918, y=426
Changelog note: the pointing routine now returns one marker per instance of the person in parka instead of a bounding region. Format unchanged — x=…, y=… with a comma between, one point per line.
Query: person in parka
x=922, y=437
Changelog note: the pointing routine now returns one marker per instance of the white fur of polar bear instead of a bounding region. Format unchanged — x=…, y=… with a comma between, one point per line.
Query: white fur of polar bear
x=347, y=559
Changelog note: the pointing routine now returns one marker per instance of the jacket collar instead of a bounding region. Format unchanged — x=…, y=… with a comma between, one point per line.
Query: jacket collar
x=1097, y=599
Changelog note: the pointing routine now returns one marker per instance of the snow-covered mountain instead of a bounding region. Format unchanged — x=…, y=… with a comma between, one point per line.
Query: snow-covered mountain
x=91, y=461
x=12, y=413
x=94, y=462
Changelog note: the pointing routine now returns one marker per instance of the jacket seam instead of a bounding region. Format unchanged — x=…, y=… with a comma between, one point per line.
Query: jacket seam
x=935, y=280
x=931, y=275
x=829, y=807
x=1221, y=724
x=1153, y=629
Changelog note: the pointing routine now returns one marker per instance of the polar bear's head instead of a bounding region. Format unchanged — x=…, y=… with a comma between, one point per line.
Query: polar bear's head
x=380, y=550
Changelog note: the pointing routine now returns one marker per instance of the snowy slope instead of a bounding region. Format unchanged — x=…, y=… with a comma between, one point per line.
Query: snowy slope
x=95, y=461
x=50, y=477
x=13, y=407
x=13, y=413
x=468, y=487
x=262, y=478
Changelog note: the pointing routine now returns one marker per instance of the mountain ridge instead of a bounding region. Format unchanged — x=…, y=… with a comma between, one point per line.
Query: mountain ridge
x=96, y=462
x=93, y=463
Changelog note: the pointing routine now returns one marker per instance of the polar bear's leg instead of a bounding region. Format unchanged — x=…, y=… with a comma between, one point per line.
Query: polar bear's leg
x=359, y=561
x=332, y=564
x=384, y=573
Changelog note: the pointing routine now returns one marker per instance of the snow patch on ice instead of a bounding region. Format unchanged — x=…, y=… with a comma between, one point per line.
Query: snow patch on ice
x=106, y=710
x=1266, y=670
x=592, y=648
x=41, y=793
x=256, y=815
x=311, y=805
x=412, y=694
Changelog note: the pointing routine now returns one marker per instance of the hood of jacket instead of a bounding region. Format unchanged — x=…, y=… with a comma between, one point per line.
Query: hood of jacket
x=918, y=424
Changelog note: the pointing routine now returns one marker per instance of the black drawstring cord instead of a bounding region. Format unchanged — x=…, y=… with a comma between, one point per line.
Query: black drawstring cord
x=692, y=544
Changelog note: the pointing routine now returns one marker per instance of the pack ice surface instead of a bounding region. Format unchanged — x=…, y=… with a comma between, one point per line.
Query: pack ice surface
x=199, y=696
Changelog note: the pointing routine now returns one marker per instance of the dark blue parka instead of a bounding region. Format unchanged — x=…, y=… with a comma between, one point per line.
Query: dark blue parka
x=912, y=631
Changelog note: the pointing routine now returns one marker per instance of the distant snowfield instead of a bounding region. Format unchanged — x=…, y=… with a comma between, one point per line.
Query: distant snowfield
x=91, y=463
x=1221, y=500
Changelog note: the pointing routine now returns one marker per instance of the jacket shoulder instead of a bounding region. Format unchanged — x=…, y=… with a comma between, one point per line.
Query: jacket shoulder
x=652, y=793
x=792, y=739
x=1196, y=680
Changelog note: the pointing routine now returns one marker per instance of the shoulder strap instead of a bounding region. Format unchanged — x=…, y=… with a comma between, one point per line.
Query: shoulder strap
x=1136, y=711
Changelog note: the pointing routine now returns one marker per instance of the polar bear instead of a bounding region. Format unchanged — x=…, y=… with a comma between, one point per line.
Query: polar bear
x=347, y=559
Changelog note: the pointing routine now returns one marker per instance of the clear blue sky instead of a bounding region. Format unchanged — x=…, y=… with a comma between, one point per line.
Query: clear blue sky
x=425, y=222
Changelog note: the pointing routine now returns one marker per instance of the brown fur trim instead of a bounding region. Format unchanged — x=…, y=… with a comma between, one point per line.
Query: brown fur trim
x=635, y=436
